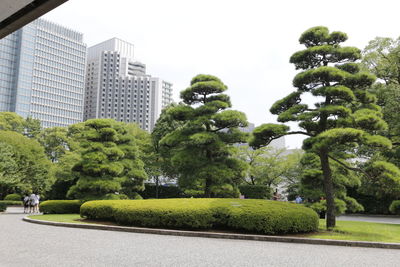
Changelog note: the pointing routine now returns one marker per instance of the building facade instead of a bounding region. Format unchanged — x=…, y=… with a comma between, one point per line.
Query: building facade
x=42, y=73
x=118, y=87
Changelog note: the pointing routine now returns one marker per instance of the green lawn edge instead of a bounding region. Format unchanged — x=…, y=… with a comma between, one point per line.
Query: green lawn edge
x=64, y=218
x=345, y=230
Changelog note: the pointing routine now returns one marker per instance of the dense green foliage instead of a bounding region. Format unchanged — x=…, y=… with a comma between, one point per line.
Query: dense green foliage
x=10, y=121
x=3, y=206
x=256, y=191
x=11, y=202
x=343, y=120
x=60, y=206
x=257, y=216
x=160, y=161
x=201, y=148
x=269, y=166
x=23, y=165
x=382, y=57
x=395, y=207
x=13, y=197
x=150, y=191
x=109, y=161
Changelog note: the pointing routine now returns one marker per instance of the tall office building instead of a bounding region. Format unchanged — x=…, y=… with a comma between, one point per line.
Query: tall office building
x=118, y=87
x=42, y=73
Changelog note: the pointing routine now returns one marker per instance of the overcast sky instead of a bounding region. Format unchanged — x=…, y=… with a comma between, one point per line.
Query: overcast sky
x=245, y=43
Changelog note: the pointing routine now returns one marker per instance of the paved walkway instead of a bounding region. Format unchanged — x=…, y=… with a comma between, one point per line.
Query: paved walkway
x=370, y=218
x=25, y=244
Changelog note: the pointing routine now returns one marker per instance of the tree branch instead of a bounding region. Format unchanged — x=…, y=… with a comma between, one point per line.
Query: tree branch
x=350, y=168
x=299, y=132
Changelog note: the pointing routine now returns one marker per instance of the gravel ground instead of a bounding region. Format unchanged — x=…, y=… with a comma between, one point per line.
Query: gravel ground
x=26, y=244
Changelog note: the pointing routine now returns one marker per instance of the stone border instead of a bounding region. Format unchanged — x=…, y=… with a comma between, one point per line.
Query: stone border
x=268, y=238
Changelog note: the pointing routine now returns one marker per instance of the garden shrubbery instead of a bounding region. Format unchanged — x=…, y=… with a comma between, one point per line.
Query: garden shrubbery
x=256, y=191
x=256, y=216
x=60, y=206
x=163, y=191
x=13, y=197
x=3, y=206
x=395, y=207
x=11, y=202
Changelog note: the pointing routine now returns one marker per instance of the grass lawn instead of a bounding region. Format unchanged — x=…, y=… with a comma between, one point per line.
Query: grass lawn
x=66, y=218
x=359, y=231
x=345, y=230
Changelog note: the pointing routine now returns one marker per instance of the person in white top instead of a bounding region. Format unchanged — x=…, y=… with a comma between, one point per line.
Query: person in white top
x=34, y=199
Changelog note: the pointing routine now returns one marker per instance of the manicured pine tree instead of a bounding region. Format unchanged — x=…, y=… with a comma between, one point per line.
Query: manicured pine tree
x=344, y=116
x=109, y=160
x=201, y=147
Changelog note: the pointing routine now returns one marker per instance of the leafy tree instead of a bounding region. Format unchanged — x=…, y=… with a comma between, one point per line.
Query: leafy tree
x=148, y=154
x=109, y=160
x=160, y=159
x=64, y=174
x=56, y=142
x=269, y=166
x=10, y=177
x=381, y=57
x=11, y=121
x=32, y=127
x=345, y=116
x=202, y=146
x=25, y=166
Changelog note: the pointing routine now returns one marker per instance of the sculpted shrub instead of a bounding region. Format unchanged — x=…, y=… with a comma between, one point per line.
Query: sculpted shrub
x=248, y=215
x=60, y=206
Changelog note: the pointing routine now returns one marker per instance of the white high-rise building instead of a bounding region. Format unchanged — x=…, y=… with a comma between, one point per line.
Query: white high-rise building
x=42, y=73
x=118, y=87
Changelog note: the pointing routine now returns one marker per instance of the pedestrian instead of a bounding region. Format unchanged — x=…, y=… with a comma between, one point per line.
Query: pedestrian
x=299, y=200
x=322, y=213
x=26, y=203
x=276, y=195
x=34, y=203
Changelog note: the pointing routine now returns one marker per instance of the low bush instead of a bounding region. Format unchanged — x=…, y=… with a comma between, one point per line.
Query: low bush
x=11, y=202
x=395, y=207
x=256, y=191
x=3, y=206
x=13, y=197
x=256, y=216
x=60, y=206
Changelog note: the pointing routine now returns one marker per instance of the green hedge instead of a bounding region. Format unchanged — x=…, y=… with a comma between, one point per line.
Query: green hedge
x=13, y=197
x=395, y=207
x=256, y=191
x=11, y=202
x=3, y=206
x=249, y=215
x=60, y=206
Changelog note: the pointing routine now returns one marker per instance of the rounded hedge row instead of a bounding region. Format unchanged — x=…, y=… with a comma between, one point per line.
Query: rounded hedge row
x=13, y=197
x=60, y=206
x=395, y=207
x=11, y=202
x=250, y=215
x=3, y=206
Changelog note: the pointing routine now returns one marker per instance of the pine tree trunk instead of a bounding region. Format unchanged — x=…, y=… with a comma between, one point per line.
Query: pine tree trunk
x=157, y=185
x=328, y=187
x=207, y=189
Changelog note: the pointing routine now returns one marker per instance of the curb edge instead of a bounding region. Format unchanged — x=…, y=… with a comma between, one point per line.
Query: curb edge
x=268, y=238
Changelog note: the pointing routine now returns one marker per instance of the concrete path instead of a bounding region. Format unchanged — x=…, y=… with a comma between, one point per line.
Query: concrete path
x=25, y=244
